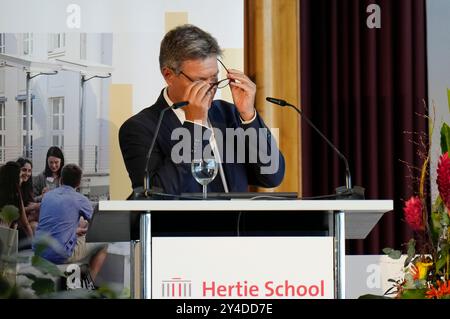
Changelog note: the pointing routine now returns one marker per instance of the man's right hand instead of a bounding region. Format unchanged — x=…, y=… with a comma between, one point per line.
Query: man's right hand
x=200, y=98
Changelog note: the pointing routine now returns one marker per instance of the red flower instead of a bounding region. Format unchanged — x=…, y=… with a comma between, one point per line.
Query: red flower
x=443, y=179
x=443, y=290
x=413, y=213
x=433, y=293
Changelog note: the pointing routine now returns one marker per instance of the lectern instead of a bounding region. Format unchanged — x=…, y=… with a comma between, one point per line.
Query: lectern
x=347, y=219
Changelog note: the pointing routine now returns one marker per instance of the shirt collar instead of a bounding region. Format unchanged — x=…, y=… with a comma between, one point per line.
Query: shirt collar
x=178, y=112
x=166, y=96
x=67, y=187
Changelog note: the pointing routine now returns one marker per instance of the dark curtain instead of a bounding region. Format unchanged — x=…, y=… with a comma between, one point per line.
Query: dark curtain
x=365, y=89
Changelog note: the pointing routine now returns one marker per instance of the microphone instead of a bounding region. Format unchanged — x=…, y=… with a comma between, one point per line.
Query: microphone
x=281, y=103
x=147, y=185
x=359, y=191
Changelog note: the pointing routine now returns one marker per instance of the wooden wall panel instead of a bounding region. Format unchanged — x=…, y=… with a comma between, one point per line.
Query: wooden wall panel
x=272, y=60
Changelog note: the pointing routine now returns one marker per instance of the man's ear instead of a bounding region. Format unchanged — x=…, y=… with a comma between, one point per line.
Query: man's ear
x=168, y=75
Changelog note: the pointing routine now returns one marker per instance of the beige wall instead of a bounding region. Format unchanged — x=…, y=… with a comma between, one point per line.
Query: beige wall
x=121, y=96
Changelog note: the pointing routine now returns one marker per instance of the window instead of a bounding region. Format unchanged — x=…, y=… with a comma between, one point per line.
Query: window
x=28, y=43
x=58, y=140
x=2, y=117
x=2, y=43
x=2, y=132
x=24, y=116
x=25, y=126
x=2, y=80
x=57, y=114
x=2, y=148
x=57, y=121
x=56, y=42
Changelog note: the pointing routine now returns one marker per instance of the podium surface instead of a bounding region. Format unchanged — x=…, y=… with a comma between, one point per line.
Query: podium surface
x=361, y=215
x=351, y=219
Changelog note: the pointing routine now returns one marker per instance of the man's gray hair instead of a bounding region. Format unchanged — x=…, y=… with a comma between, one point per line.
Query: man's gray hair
x=186, y=42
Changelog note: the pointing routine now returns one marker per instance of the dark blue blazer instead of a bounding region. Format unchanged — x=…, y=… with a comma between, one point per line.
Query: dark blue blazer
x=136, y=133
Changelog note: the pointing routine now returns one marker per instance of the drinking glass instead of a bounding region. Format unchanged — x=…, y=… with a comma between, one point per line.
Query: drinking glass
x=204, y=171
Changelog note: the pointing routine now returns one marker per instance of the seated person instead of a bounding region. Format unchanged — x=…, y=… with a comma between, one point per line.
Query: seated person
x=50, y=177
x=10, y=195
x=26, y=189
x=63, y=216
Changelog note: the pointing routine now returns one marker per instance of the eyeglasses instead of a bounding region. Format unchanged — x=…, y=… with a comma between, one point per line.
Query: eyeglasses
x=220, y=84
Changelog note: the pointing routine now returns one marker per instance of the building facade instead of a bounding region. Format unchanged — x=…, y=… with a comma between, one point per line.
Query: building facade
x=55, y=103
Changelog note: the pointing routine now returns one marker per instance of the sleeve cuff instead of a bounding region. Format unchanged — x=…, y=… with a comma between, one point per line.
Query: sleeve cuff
x=197, y=123
x=249, y=121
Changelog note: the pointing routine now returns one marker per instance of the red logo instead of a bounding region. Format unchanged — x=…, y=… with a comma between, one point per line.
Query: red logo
x=176, y=287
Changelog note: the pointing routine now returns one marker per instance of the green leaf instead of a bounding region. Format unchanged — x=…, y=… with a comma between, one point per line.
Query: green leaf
x=392, y=253
x=7, y=290
x=413, y=294
x=448, y=98
x=45, y=266
x=436, y=218
x=9, y=214
x=407, y=261
x=441, y=263
x=43, y=286
x=442, y=257
x=44, y=242
x=107, y=292
x=411, y=252
x=445, y=138
x=445, y=218
x=395, y=254
x=28, y=275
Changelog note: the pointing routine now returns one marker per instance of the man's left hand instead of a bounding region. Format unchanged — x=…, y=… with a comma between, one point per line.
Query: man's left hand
x=243, y=91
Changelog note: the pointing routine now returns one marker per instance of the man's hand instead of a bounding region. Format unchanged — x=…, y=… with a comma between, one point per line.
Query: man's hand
x=81, y=231
x=82, y=227
x=243, y=91
x=200, y=98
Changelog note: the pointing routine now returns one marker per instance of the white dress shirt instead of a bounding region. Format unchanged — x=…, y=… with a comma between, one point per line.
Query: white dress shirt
x=182, y=118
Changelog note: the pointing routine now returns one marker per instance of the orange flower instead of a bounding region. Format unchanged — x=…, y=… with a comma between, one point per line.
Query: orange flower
x=443, y=290
x=433, y=293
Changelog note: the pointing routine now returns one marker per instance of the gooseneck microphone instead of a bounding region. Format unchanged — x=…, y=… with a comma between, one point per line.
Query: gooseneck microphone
x=348, y=177
x=147, y=186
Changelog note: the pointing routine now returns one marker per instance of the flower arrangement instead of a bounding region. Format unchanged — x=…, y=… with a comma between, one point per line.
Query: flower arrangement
x=427, y=265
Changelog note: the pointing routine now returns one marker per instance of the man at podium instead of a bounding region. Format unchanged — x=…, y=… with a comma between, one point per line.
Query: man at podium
x=232, y=135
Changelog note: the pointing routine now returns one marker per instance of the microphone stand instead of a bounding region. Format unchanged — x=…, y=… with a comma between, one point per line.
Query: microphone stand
x=339, y=216
x=348, y=177
x=356, y=192
x=147, y=192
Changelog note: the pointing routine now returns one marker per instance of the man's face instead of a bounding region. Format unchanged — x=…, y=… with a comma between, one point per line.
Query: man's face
x=191, y=70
